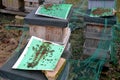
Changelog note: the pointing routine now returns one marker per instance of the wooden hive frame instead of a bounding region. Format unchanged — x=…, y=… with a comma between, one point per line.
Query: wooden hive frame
x=51, y=33
x=94, y=30
x=91, y=45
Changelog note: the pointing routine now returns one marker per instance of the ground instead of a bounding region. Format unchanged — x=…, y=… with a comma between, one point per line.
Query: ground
x=9, y=39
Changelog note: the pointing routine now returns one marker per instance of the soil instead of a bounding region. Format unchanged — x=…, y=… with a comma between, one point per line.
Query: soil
x=8, y=43
x=9, y=39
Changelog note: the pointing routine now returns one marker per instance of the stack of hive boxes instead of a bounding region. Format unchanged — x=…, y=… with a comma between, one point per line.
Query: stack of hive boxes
x=51, y=29
x=94, y=28
x=94, y=37
x=21, y=5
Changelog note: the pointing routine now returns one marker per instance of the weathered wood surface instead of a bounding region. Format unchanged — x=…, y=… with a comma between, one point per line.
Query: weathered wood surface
x=11, y=4
x=95, y=31
x=55, y=34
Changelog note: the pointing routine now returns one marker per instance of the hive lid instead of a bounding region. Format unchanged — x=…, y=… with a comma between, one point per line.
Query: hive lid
x=101, y=12
x=39, y=54
x=110, y=20
x=41, y=20
x=59, y=11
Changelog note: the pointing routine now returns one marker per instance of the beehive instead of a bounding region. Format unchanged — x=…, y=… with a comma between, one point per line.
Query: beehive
x=51, y=33
x=13, y=4
x=101, y=3
x=97, y=42
x=94, y=43
x=99, y=55
x=31, y=4
x=94, y=30
x=52, y=29
x=92, y=47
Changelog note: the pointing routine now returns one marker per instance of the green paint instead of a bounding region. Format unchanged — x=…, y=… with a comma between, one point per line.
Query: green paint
x=40, y=55
x=55, y=10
